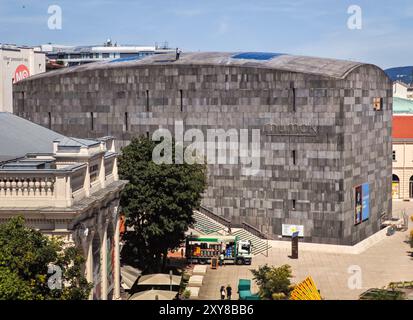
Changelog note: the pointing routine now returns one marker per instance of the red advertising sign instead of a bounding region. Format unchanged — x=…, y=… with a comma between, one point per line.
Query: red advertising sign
x=22, y=72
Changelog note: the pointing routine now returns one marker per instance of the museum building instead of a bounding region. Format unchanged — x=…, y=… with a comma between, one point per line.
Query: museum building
x=318, y=131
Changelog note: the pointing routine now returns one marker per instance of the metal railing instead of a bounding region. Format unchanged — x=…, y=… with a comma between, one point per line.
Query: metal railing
x=214, y=216
x=255, y=231
x=227, y=223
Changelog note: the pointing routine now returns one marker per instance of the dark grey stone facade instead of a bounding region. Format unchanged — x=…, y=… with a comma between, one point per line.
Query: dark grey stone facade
x=319, y=109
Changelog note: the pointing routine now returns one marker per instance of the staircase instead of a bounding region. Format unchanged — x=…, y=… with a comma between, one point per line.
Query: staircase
x=208, y=225
x=258, y=245
x=205, y=224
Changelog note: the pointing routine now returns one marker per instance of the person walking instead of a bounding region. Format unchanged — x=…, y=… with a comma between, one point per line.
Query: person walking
x=222, y=292
x=229, y=292
x=221, y=259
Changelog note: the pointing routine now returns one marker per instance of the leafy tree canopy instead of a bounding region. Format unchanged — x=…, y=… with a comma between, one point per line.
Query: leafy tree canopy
x=158, y=203
x=25, y=257
x=273, y=283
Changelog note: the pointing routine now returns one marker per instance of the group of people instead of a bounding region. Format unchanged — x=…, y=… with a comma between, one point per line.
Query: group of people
x=226, y=292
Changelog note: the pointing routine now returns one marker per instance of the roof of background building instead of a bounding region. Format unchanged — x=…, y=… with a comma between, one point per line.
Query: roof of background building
x=402, y=127
x=20, y=137
x=277, y=61
x=401, y=106
x=400, y=83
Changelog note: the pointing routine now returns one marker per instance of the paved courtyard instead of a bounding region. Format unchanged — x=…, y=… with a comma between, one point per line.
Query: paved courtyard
x=386, y=261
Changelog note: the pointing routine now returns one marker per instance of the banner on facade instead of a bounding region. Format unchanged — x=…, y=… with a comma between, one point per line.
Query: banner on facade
x=365, y=196
x=362, y=203
x=21, y=72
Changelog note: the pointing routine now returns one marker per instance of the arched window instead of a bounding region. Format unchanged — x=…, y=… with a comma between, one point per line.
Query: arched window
x=395, y=186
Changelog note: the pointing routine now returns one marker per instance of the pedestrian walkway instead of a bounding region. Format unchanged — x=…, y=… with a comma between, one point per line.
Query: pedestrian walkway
x=386, y=261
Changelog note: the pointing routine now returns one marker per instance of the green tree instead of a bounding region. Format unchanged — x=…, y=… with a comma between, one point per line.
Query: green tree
x=273, y=283
x=158, y=203
x=25, y=256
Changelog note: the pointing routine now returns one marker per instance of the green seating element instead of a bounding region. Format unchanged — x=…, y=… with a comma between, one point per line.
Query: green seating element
x=247, y=295
x=244, y=284
x=244, y=290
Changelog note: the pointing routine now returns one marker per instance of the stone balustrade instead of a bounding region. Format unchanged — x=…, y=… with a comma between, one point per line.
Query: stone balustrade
x=59, y=187
x=30, y=190
x=27, y=186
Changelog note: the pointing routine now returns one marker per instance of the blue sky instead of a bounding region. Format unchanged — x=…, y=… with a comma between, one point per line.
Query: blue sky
x=305, y=27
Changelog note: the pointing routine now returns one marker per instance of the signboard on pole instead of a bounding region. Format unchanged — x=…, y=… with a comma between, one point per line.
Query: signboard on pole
x=289, y=229
x=294, y=245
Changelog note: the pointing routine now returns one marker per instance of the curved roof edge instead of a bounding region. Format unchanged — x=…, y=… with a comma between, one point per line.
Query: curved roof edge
x=367, y=65
x=333, y=68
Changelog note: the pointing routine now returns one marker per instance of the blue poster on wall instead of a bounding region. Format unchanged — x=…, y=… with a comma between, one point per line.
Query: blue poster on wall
x=365, y=212
x=358, y=205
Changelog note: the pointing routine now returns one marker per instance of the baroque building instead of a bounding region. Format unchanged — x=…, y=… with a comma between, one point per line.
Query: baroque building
x=65, y=187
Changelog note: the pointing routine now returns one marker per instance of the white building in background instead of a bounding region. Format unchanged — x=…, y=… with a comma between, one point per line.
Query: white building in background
x=402, y=90
x=65, y=187
x=77, y=55
x=402, y=181
x=17, y=63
